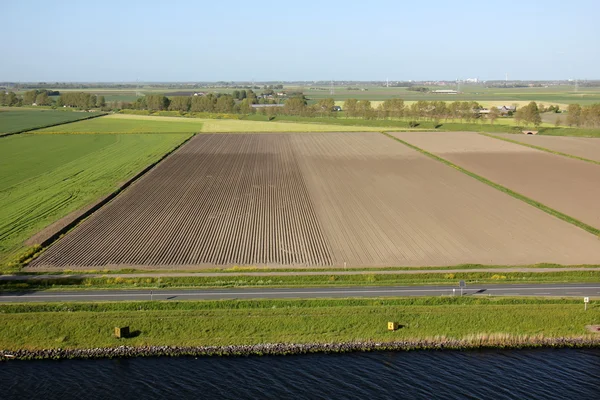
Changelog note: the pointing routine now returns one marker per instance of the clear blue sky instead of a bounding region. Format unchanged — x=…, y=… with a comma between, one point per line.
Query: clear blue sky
x=171, y=40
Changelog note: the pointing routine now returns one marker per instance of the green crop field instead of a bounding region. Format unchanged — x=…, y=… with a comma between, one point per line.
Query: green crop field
x=231, y=322
x=125, y=123
x=563, y=94
x=117, y=123
x=43, y=177
x=18, y=120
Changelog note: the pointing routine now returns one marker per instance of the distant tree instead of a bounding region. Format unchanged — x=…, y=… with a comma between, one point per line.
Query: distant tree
x=531, y=114
x=244, y=107
x=225, y=104
x=100, y=102
x=2, y=97
x=494, y=114
x=42, y=99
x=12, y=99
x=574, y=115
x=91, y=101
x=236, y=94
x=519, y=116
x=157, y=102
x=350, y=107
x=59, y=102
x=29, y=97
x=294, y=106
x=557, y=122
x=324, y=107
x=180, y=103
x=364, y=109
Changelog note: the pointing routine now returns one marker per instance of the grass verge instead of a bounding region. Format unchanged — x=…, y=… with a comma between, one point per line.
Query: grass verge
x=220, y=323
x=333, y=279
x=540, y=148
x=255, y=269
x=504, y=189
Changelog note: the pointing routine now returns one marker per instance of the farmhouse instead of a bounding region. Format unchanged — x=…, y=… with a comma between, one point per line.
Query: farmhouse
x=505, y=110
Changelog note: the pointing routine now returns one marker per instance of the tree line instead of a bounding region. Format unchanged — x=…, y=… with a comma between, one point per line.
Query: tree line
x=583, y=116
x=41, y=97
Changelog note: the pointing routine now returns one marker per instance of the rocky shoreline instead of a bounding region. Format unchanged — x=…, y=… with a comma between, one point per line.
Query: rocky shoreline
x=294, y=349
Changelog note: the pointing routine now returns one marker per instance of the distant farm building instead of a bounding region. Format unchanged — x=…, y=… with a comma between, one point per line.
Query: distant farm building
x=444, y=91
x=266, y=105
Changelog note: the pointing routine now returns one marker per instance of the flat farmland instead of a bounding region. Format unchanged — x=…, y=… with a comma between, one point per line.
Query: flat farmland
x=221, y=199
x=308, y=200
x=44, y=178
x=576, y=146
x=567, y=185
x=127, y=123
x=18, y=120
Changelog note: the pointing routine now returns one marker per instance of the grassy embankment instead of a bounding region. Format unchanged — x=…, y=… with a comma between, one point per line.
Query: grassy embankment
x=331, y=279
x=15, y=120
x=236, y=269
x=44, y=178
x=90, y=325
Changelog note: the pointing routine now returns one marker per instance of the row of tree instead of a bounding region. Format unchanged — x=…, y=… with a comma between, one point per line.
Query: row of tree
x=42, y=98
x=586, y=116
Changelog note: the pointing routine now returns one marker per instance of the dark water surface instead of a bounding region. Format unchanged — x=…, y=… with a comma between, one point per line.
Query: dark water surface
x=490, y=374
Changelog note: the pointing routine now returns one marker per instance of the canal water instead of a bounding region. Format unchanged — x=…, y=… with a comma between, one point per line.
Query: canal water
x=489, y=374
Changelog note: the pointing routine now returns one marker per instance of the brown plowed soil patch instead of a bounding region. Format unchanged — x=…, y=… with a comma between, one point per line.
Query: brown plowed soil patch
x=567, y=185
x=312, y=199
x=581, y=147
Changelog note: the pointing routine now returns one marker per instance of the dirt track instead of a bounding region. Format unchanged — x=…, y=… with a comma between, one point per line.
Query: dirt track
x=576, y=146
x=313, y=199
x=567, y=185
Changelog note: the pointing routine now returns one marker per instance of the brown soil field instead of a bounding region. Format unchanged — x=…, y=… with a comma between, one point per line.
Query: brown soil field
x=220, y=199
x=567, y=185
x=581, y=147
x=308, y=200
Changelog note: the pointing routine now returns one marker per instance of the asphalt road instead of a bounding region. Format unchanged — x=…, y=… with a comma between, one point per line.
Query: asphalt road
x=557, y=290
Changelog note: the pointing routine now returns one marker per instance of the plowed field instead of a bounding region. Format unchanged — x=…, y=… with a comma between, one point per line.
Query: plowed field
x=313, y=199
x=576, y=146
x=567, y=185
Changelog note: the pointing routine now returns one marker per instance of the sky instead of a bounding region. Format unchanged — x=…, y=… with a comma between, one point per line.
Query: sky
x=190, y=41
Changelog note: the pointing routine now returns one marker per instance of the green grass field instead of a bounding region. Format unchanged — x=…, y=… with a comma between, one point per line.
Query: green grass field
x=18, y=119
x=563, y=94
x=89, y=325
x=126, y=123
x=332, y=279
x=43, y=177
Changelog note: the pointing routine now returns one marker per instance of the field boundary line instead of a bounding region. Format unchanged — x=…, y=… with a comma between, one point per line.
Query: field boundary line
x=89, y=210
x=534, y=203
x=558, y=153
x=51, y=125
